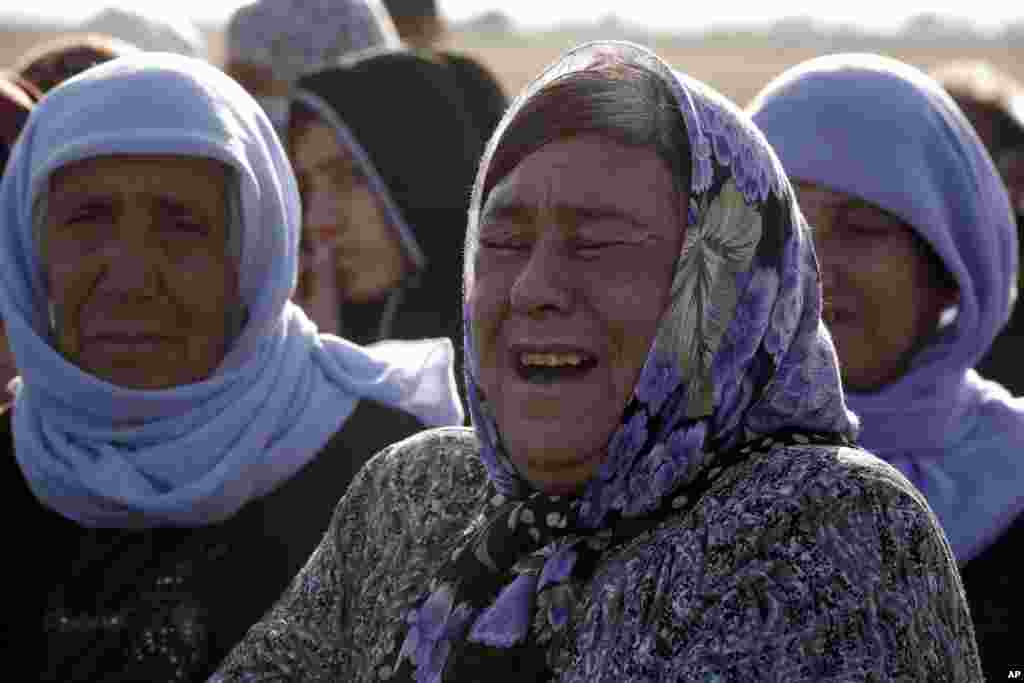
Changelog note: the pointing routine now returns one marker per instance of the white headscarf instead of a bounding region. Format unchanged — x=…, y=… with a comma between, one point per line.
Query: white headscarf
x=151, y=32
x=195, y=453
x=295, y=37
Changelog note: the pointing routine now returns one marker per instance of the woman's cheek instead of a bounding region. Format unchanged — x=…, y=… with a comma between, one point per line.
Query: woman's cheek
x=486, y=309
x=200, y=285
x=70, y=288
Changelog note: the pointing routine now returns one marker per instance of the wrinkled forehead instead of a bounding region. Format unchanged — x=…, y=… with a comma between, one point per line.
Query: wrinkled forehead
x=588, y=176
x=156, y=106
x=191, y=179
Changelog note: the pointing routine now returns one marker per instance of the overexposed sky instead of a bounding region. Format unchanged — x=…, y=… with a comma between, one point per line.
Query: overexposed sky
x=659, y=14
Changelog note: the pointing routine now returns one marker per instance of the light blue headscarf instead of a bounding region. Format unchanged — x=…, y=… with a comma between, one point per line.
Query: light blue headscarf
x=883, y=131
x=193, y=454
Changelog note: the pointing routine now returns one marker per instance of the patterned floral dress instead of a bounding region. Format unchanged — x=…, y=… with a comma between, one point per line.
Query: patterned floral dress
x=802, y=563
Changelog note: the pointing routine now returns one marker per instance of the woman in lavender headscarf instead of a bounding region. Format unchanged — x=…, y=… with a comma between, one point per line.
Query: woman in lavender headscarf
x=659, y=484
x=919, y=264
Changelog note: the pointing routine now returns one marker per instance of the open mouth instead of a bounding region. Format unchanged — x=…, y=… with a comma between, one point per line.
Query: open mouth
x=547, y=367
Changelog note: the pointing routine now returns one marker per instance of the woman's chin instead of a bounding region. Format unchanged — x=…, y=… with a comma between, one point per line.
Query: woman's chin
x=567, y=477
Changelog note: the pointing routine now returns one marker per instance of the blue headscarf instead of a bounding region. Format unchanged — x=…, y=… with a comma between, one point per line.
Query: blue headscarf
x=740, y=353
x=103, y=455
x=883, y=131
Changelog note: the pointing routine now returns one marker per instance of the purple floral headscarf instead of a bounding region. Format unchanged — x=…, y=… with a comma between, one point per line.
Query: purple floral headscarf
x=741, y=350
x=739, y=354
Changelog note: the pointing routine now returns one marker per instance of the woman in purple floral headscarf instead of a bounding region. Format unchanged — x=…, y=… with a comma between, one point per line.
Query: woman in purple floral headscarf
x=659, y=484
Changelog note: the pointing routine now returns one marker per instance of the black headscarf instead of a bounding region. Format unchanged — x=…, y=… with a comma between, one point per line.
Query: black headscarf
x=410, y=116
x=484, y=95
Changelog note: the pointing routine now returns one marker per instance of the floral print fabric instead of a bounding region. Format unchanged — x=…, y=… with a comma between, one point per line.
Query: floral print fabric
x=802, y=563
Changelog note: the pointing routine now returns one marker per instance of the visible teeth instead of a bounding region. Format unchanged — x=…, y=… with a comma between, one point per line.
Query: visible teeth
x=551, y=359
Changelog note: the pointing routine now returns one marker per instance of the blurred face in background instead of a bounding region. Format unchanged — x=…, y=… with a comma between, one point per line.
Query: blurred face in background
x=884, y=290
x=138, y=268
x=1011, y=167
x=342, y=214
x=16, y=102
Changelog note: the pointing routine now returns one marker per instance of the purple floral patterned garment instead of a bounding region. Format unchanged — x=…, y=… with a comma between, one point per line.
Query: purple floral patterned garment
x=708, y=547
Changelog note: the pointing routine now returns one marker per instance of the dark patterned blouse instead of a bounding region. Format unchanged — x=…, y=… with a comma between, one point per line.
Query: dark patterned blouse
x=164, y=604
x=800, y=563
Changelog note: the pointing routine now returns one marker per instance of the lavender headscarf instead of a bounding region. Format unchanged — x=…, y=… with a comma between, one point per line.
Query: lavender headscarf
x=107, y=456
x=740, y=352
x=881, y=130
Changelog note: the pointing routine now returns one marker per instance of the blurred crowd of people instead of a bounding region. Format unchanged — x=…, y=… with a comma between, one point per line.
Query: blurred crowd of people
x=630, y=382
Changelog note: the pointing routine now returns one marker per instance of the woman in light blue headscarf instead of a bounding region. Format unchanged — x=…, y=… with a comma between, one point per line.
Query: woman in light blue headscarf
x=919, y=267
x=180, y=431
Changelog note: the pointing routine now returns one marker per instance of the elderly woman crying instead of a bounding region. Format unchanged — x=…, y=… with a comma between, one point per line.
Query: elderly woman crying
x=180, y=430
x=659, y=484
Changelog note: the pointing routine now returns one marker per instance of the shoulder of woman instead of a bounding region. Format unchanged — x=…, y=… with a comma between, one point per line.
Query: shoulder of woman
x=805, y=491
x=844, y=541
x=430, y=449
x=432, y=465
x=820, y=475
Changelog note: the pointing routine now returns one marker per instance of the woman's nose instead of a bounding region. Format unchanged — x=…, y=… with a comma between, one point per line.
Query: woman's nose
x=323, y=218
x=133, y=258
x=543, y=283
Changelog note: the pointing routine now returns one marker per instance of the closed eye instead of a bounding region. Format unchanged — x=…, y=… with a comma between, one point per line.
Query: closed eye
x=187, y=225
x=182, y=218
x=504, y=245
x=596, y=248
x=88, y=213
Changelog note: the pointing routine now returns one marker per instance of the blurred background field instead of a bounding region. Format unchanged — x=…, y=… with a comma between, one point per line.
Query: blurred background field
x=737, y=60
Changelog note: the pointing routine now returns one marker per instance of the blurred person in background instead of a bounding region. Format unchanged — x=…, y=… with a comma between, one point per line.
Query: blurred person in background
x=271, y=43
x=384, y=196
x=659, y=484
x=994, y=103
x=180, y=431
x=918, y=251
x=422, y=26
x=54, y=61
x=150, y=31
x=17, y=97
